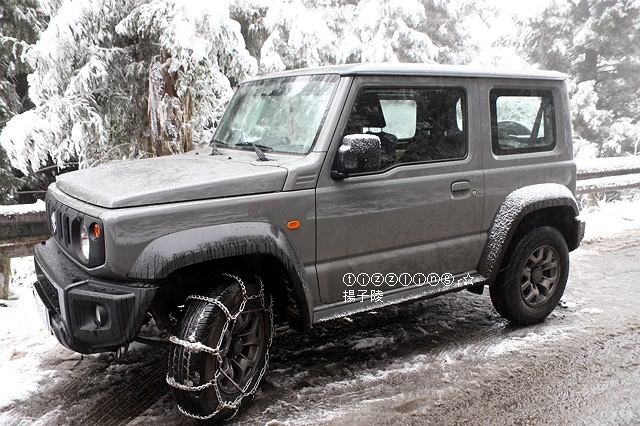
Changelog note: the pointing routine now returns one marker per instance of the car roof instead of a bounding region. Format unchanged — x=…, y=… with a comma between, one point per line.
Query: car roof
x=412, y=69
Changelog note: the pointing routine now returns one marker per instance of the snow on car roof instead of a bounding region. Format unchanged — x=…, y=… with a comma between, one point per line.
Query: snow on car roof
x=412, y=69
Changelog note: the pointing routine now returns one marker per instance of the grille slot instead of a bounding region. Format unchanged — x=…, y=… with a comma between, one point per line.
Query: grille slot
x=64, y=217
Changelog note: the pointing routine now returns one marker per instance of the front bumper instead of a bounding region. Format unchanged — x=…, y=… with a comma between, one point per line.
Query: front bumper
x=72, y=297
x=580, y=227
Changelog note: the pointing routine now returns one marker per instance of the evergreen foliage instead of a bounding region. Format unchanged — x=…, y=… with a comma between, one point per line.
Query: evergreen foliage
x=120, y=79
x=597, y=42
x=21, y=22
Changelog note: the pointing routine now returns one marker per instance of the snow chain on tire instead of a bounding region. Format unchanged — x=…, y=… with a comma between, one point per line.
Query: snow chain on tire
x=196, y=347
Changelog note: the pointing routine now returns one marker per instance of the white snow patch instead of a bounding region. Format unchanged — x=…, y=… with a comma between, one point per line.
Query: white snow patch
x=37, y=207
x=23, y=339
x=590, y=311
x=569, y=304
x=370, y=342
x=608, y=183
x=7, y=418
x=382, y=375
x=604, y=165
x=411, y=10
x=610, y=218
x=530, y=339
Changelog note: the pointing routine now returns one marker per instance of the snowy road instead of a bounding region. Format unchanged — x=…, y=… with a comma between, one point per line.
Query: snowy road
x=447, y=360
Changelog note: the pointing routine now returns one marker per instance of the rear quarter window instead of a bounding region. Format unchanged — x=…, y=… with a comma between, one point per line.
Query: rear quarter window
x=522, y=121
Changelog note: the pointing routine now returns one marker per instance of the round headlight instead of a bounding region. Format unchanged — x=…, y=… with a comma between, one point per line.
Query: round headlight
x=85, y=244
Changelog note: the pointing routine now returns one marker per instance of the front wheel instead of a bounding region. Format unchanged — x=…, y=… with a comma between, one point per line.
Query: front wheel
x=533, y=277
x=221, y=349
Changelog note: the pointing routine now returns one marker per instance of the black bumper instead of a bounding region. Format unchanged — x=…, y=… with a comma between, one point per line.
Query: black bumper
x=579, y=227
x=71, y=297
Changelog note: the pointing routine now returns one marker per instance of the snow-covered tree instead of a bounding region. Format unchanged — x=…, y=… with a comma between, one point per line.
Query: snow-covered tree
x=118, y=79
x=82, y=78
x=100, y=62
x=597, y=42
x=290, y=34
x=20, y=24
x=589, y=121
x=9, y=184
x=201, y=54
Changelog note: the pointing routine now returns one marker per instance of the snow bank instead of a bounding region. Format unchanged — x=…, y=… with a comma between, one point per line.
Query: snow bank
x=24, y=339
x=610, y=218
x=37, y=207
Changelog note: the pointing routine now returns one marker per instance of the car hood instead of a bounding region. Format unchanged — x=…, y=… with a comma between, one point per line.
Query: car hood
x=175, y=178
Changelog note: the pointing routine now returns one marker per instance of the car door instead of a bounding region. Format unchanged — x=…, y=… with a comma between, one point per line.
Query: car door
x=421, y=213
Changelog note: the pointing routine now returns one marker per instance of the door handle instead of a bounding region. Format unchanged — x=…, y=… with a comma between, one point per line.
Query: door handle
x=462, y=185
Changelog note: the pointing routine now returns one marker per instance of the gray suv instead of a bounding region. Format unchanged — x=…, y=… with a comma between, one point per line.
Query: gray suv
x=324, y=192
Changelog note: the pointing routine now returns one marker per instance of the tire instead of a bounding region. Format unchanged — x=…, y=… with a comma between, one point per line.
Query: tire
x=221, y=348
x=532, y=278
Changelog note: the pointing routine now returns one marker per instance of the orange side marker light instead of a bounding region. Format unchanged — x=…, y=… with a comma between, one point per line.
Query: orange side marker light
x=293, y=224
x=96, y=231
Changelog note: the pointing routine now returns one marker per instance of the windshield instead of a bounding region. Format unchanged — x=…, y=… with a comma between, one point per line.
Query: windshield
x=277, y=115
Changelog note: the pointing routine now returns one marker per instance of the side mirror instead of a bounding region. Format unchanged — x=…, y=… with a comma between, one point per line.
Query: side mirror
x=357, y=154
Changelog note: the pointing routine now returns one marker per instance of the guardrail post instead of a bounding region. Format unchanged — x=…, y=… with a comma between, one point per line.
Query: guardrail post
x=5, y=274
x=591, y=199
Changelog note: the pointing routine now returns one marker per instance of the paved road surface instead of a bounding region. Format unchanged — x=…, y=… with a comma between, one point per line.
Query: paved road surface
x=449, y=360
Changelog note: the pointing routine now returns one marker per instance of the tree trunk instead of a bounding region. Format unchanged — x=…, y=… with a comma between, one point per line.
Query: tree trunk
x=589, y=67
x=166, y=117
x=186, y=130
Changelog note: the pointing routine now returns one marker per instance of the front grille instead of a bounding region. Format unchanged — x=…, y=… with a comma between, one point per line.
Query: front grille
x=60, y=219
x=65, y=223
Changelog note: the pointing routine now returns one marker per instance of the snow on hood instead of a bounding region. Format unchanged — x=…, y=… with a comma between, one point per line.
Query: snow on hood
x=171, y=179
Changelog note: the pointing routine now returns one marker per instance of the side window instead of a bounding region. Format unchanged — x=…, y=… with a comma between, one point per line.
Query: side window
x=522, y=121
x=400, y=115
x=414, y=125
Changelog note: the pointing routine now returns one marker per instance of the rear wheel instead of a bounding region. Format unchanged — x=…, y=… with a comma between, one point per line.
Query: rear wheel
x=221, y=349
x=533, y=277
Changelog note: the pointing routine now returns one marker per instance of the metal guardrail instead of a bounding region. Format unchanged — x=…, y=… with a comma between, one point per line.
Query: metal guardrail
x=22, y=227
x=608, y=174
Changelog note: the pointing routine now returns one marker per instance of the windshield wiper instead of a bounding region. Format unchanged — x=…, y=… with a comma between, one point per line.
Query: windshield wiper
x=258, y=149
x=259, y=152
x=254, y=145
x=214, y=146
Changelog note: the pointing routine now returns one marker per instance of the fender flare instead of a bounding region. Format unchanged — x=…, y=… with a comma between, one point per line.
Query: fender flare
x=513, y=209
x=177, y=250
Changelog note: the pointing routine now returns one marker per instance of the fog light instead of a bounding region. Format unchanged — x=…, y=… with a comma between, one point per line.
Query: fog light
x=100, y=315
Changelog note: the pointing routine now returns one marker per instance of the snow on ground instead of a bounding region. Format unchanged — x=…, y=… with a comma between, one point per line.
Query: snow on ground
x=23, y=337
x=31, y=359
x=36, y=207
x=610, y=218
